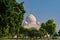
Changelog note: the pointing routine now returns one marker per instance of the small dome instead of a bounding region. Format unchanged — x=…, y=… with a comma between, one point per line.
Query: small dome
x=31, y=18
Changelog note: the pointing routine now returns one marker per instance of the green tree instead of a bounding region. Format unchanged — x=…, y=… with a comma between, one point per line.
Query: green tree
x=42, y=32
x=43, y=25
x=32, y=32
x=24, y=31
x=11, y=16
x=51, y=27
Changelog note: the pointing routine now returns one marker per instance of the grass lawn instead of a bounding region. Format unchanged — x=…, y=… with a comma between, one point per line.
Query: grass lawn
x=27, y=39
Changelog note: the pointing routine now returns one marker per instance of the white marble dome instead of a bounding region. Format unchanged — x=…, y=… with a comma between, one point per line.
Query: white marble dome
x=31, y=18
x=31, y=22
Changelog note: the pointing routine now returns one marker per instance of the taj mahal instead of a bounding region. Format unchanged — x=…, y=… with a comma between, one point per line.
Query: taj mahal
x=31, y=22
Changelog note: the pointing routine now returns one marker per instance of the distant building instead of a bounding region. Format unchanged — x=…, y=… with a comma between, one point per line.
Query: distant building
x=31, y=22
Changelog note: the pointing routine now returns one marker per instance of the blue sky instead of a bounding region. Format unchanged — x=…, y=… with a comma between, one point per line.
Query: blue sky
x=43, y=10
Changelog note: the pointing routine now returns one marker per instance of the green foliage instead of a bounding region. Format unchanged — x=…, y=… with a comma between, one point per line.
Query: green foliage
x=11, y=16
x=50, y=27
x=33, y=32
x=43, y=32
x=24, y=31
x=43, y=25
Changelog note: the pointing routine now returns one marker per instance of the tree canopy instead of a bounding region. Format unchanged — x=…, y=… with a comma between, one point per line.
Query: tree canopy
x=49, y=26
x=11, y=16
